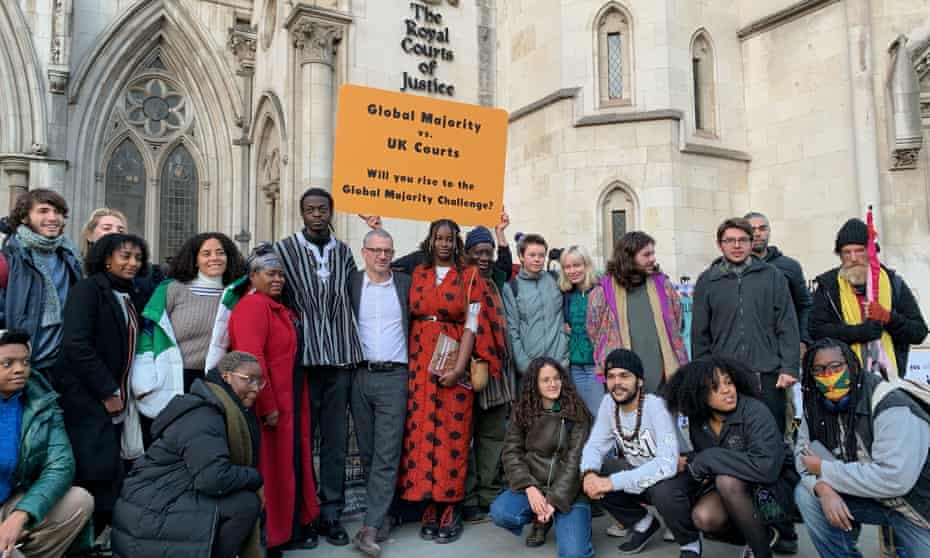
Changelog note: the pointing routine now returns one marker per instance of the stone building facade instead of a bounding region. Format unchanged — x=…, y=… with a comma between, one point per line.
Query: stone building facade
x=663, y=116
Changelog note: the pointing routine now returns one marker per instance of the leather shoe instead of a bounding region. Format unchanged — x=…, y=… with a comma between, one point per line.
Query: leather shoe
x=537, y=536
x=450, y=526
x=365, y=541
x=334, y=532
x=429, y=529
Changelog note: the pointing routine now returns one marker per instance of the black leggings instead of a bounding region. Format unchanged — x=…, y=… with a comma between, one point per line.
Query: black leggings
x=730, y=505
x=238, y=514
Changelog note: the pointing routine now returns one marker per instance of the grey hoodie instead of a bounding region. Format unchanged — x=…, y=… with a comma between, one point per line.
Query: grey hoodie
x=534, y=319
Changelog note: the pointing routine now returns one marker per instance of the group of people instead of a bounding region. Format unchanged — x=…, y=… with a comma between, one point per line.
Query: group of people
x=187, y=402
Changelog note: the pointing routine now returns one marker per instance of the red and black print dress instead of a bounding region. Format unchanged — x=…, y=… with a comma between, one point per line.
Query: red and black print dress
x=437, y=433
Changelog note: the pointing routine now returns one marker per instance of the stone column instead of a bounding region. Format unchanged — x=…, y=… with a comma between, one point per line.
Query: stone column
x=243, y=43
x=865, y=133
x=14, y=176
x=315, y=42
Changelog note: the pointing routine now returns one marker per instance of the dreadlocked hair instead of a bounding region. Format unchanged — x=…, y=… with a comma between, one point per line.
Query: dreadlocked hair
x=458, y=250
x=687, y=391
x=530, y=404
x=823, y=425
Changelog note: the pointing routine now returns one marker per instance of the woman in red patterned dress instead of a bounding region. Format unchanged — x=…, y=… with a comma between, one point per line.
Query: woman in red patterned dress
x=445, y=297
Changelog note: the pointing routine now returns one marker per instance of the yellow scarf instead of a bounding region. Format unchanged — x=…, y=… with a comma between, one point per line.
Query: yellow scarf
x=852, y=315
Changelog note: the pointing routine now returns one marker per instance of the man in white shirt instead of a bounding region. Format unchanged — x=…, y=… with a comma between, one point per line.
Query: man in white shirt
x=644, y=433
x=379, y=386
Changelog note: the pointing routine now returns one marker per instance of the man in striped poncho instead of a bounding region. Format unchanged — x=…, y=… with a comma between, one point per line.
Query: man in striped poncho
x=318, y=268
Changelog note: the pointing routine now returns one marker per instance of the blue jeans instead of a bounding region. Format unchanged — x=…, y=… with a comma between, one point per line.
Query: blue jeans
x=511, y=510
x=587, y=386
x=910, y=540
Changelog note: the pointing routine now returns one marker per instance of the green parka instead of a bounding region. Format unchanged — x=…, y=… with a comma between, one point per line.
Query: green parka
x=45, y=469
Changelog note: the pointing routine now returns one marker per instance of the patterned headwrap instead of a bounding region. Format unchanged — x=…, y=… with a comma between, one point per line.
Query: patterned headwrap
x=264, y=257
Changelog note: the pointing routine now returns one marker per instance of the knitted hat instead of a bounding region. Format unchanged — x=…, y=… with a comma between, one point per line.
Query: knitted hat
x=478, y=235
x=854, y=231
x=628, y=360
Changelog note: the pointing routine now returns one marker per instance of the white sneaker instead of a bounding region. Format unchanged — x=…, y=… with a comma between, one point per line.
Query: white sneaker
x=747, y=552
x=618, y=531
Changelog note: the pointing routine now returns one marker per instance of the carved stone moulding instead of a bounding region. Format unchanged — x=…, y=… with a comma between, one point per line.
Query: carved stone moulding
x=316, y=32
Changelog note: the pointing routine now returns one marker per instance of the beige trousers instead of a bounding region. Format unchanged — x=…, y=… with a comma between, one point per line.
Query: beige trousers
x=63, y=523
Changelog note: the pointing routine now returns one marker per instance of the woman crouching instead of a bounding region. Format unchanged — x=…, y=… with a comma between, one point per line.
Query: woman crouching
x=197, y=492
x=541, y=457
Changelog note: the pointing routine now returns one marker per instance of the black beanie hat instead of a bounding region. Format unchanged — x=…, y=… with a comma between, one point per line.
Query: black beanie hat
x=854, y=231
x=628, y=360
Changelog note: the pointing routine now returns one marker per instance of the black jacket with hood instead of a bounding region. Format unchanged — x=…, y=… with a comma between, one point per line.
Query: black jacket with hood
x=907, y=326
x=797, y=285
x=746, y=316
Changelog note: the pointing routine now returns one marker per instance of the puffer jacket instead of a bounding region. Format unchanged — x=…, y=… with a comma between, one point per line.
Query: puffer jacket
x=45, y=469
x=547, y=455
x=168, y=505
x=535, y=319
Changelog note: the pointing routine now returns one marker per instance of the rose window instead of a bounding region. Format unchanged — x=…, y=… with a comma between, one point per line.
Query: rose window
x=156, y=106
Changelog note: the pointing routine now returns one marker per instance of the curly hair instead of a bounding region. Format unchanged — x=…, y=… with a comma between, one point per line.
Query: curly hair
x=458, y=251
x=19, y=215
x=96, y=261
x=530, y=404
x=232, y=360
x=823, y=425
x=184, y=264
x=622, y=266
x=689, y=388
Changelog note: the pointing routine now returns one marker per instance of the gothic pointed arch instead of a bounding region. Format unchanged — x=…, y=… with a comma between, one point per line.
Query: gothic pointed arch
x=23, y=114
x=704, y=83
x=617, y=214
x=157, y=76
x=270, y=139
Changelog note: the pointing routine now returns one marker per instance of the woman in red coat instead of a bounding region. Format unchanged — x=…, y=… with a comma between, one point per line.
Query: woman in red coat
x=261, y=325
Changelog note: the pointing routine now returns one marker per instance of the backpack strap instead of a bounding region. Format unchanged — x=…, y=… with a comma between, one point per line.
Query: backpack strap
x=881, y=390
x=514, y=287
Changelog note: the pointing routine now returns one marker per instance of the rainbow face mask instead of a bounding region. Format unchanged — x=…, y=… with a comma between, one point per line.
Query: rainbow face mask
x=834, y=385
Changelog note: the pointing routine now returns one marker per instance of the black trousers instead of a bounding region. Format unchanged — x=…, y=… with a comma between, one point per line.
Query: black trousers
x=329, y=401
x=237, y=514
x=671, y=497
x=774, y=398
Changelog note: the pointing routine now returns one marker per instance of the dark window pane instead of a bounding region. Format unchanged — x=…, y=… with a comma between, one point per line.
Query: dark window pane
x=618, y=224
x=179, y=189
x=614, y=66
x=125, y=185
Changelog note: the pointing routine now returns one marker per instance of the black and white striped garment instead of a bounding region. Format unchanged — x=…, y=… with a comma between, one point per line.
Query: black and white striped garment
x=318, y=288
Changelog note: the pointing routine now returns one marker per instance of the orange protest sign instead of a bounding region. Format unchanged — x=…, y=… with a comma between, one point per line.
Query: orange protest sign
x=413, y=157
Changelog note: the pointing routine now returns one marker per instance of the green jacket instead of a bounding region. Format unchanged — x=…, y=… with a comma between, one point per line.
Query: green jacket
x=46, y=465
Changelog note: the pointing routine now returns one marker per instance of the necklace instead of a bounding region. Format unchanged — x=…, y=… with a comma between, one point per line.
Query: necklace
x=639, y=418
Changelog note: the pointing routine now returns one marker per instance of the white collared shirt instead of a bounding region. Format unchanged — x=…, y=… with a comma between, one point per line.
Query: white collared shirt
x=381, y=322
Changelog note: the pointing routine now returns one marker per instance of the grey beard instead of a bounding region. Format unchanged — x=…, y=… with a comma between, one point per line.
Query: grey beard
x=856, y=275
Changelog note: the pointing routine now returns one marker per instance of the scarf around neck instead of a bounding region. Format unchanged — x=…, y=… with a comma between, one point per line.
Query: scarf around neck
x=31, y=240
x=207, y=282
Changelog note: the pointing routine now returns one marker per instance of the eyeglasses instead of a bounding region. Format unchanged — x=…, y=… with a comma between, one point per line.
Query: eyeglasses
x=830, y=368
x=762, y=228
x=735, y=241
x=258, y=382
x=381, y=251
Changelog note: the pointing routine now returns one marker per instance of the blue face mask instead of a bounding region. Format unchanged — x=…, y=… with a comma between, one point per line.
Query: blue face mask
x=835, y=406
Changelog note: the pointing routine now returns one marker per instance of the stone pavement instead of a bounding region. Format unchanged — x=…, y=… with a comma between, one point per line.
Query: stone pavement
x=488, y=541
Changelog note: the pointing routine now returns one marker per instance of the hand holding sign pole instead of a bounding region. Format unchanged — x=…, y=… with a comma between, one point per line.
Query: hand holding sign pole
x=418, y=158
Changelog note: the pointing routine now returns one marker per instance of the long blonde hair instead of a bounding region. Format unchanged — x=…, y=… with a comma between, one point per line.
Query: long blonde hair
x=95, y=217
x=589, y=277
